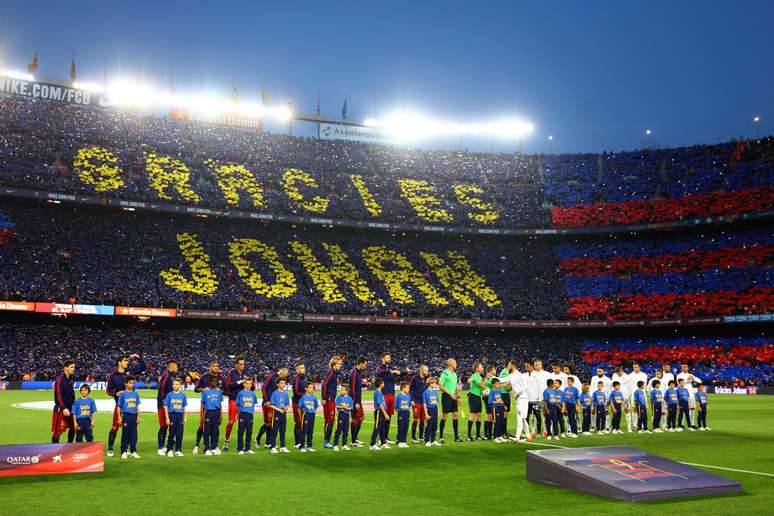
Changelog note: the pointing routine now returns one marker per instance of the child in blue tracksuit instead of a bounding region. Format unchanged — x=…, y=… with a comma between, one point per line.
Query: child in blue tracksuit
x=430, y=398
x=280, y=403
x=129, y=417
x=308, y=405
x=175, y=403
x=246, y=401
x=212, y=397
x=671, y=401
x=497, y=405
x=599, y=398
x=584, y=400
x=616, y=407
x=570, y=397
x=379, y=435
x=641, y=405
x=551, y=408
x=84, y=410
x=344, y=406
x=701, y=407
x=403, y=405
x=656, y=401
x=559, y=391
x=683, y=397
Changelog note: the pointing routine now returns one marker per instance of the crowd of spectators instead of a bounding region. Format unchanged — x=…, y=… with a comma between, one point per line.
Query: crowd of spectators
x=718, y=360
x=716, y=272
x=38, y=351
x=131, y=259
x=56, y=147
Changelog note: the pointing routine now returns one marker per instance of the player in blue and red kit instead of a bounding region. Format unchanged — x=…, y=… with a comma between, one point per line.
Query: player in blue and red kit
x=329, y=385
x=165, y=387
x=203, y=383
x=355, y=385
x=235, y=379
x=299, y=389
x=64, y=397
x=116, y=382
x=387, y=373
x=417, y=388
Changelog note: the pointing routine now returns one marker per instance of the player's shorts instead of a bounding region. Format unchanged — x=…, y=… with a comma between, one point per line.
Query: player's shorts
x=60, y=422
x=162, y=417
x=506, y=401
x=487, y=406
x=389, y=404
x=419, y=411
x=116, y=417
x=329, y=412
x=448, y=405
x=268, y=416
x=474, y=403
x=358, y=415
x=233, y=410
x=298, y=417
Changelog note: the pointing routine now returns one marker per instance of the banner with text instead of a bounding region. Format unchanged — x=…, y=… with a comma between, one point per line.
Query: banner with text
x=354, y=133
x=52, y=91
x=51, y=459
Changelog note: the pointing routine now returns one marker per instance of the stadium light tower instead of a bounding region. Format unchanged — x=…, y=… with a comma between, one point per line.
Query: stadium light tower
x=649, y=140
x=757, y=122
x=550, y=143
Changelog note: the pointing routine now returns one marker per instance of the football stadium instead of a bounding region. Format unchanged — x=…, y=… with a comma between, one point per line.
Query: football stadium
x=520, y=267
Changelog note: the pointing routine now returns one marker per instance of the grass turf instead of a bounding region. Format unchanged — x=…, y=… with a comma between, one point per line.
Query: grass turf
x=458, y=478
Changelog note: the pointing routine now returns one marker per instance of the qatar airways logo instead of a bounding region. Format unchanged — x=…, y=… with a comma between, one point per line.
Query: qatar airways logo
x=23, y=460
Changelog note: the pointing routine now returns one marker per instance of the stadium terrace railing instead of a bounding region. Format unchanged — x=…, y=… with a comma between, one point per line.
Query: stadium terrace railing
x=274, y=316
x=382, y=226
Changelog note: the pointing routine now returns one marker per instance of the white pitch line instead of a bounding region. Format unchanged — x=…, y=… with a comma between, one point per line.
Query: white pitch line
x=729, y=469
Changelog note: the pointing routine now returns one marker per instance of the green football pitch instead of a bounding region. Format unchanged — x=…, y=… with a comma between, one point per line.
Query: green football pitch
x=457, y=478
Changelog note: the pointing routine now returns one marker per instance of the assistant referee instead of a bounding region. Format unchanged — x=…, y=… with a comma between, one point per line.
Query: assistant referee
x=449, y=400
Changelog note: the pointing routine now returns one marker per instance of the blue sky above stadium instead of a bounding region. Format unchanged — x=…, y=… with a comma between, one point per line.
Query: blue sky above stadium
x=595, y=75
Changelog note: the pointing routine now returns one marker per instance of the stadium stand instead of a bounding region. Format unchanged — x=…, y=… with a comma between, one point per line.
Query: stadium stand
x=717, y=360
x=90, y=256
x=59, y=148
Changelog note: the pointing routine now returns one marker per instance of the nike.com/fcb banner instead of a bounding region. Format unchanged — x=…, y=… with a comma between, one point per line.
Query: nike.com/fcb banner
x=51, y=459
x=52, y=91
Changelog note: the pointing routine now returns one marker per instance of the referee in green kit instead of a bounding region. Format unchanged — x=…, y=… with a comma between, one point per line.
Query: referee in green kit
x=450, y=401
